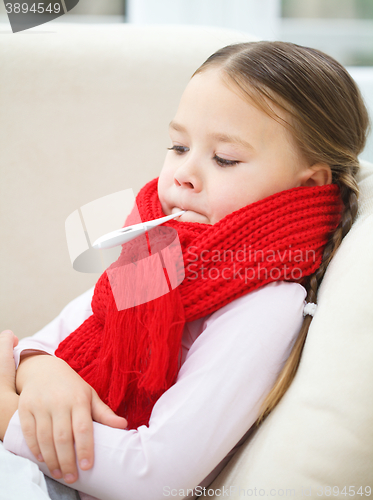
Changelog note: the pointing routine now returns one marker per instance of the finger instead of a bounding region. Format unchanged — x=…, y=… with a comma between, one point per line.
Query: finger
x=44, y=435
x=83, y=436
x=28, y=427
x=6, y=354
x=102, y=414
x=64, y=446
x=7, y=332
x=6, y=339
x=7, y=342
x=8, y=335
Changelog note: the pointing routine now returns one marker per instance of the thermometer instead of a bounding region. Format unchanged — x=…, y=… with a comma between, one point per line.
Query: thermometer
x=126, y=234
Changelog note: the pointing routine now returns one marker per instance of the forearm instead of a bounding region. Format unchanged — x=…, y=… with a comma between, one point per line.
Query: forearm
x=49, y=337
x=31, y=365
x=56, y=408
x=9, y=407
x=8, y=395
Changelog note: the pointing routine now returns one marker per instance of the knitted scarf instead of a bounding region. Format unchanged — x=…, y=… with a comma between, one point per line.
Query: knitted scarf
x=132, y=356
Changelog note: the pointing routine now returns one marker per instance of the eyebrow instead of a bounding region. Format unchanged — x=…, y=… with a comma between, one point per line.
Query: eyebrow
x=231, y=139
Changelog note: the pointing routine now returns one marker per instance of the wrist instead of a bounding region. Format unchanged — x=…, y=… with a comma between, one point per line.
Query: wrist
x=29, y=363
x=8, y=406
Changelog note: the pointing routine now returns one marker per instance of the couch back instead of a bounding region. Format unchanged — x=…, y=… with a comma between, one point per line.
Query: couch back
x=84, y=113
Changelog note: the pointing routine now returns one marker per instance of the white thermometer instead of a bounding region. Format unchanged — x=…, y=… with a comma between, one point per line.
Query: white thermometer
x=126, y=234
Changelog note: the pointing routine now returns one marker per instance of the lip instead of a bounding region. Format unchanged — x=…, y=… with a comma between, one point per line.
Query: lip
x=190, y=215
x=177, y=209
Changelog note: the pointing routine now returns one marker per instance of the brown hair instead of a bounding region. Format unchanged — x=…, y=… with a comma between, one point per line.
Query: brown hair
x=329, y=122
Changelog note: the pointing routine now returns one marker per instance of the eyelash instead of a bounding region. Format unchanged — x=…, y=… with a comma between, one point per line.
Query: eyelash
x=222, y=162
x=225, y=163
x=178, y=149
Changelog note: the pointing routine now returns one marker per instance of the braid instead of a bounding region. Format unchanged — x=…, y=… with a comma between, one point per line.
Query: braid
x=349, y=194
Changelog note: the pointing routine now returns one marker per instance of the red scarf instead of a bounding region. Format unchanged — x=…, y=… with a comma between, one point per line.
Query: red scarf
x=132, y=356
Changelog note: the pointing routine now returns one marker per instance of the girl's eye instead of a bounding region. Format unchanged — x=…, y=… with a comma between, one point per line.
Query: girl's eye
x=223, y=162
x=179, y=149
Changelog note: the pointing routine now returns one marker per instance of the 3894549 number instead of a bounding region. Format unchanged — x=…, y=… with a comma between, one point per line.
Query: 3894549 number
x=348, y=491
x=35, y=8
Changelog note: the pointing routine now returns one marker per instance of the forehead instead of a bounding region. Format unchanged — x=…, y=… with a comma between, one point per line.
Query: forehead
x=255, y=93
x=213, y=97
x=213, y=105
x=211, y=82
x=208, y=97
x=223, y=90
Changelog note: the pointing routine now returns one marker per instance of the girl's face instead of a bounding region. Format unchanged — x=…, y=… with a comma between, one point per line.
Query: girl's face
x=225, y=154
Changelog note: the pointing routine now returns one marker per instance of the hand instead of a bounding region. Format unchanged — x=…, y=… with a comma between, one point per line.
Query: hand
x=8, y=395
x=56, y=409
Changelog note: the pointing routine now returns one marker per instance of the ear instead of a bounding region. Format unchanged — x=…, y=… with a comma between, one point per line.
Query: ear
x=318, y=174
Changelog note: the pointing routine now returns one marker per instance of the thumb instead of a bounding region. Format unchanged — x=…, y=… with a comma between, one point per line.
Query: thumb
x=8, y=333
x=102, y=414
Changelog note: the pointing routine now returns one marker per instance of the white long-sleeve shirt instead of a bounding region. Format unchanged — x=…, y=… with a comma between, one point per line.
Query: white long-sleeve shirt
x=231, y=359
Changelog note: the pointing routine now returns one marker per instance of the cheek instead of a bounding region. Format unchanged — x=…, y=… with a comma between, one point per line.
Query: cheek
x=167, y=171
x=285, y=179
x=165, y=181
x=227, y=200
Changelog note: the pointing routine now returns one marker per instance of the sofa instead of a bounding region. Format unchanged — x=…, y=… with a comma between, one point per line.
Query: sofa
x=84, y=114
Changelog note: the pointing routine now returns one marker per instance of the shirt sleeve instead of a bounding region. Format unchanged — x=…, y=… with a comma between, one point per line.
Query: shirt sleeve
x=49, y=337
x=228, y=371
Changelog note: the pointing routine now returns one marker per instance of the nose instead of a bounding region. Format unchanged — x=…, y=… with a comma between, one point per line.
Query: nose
x=187, y=176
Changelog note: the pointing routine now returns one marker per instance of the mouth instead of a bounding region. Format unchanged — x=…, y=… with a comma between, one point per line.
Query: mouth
x=177, y=209
x=189, y=215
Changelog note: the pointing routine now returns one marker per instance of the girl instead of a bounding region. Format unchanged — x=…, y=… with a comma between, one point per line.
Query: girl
x=263, y=158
